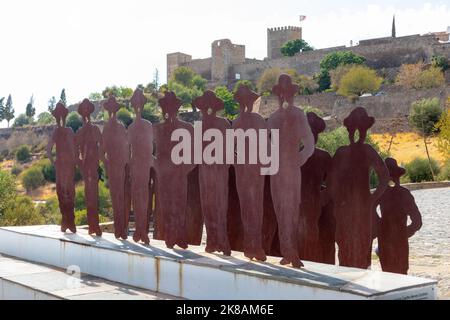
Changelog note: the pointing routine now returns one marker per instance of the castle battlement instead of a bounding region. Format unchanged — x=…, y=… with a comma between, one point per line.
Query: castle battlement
x=287, y=28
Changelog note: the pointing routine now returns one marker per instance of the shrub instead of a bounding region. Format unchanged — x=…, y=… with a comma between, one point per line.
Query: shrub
x=359, y=80
x=440, y=62
x=124, y=116
x=418, y=170
x=268, y=79
x=21, y=212
x=431, y=78
x=81, y=218
x=45, y=118
x=150, y=113
x=50, y=211
x=317, y=111
x=444, y=132
x=337, y=74
x=291, y=48
x=21, y=120
x=445, y=172
x=16, y=170
x=246, y=83
x=74, y=121
x=230, y=105
x=418, y=77
x=104, y=199
x=425, y=115
x=7, y=189
x=32, y=178
x=23, y=154
x=48, y=170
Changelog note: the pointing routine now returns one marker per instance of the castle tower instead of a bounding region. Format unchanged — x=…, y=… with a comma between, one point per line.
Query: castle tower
x=175, y=60
x=277, y=37
x=225, y=54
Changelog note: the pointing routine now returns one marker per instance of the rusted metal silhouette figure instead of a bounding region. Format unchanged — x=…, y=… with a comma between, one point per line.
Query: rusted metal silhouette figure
x=66, y=160
x=249, y=181
x=327, y=230
x=140, y=139
x=213, y=178
x=314, y=173
x=396, y=204
x=116, y=156
x=350, y=191
x=194, y=216
x=271, y=241
x=234, y=220
x=286, y=184
x=88, y=141
x=171, y=179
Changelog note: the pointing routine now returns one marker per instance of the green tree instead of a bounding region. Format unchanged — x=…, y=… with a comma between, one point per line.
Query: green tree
x=51, y=104
x=187, y=85
x=150, y=112
x=440, y=62
x=23, y=154
x=21, y=120
x=424, y=116
x=2, y=107
x=21, y=212
x=331, y=61
x=124, y=116
x=291, y=48
x=359, y=80
x=74, y=121
x=104, y=199
x=63, y=97
x=95, y=96
x=45, y=118
x=246, y=83
x=421, y=169
x=8, y=110
x=230, y=105
x=33, y=178
x=7, y=190
x=30, y=110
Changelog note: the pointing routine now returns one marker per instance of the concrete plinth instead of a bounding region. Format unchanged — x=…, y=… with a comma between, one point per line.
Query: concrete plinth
x=194, y=274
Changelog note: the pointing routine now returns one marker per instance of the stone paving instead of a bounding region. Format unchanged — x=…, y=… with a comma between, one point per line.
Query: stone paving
x=430, y=247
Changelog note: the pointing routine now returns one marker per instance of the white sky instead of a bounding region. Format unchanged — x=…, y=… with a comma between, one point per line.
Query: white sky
x=86, y=45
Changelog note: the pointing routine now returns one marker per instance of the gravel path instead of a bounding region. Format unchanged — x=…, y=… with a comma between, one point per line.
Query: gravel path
x=430, y=247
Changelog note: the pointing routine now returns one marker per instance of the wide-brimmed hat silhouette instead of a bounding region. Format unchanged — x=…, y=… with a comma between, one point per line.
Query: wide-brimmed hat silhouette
x=208, y=101
x=170, y=104
x=138, y=100
x=111, y=105
x=85, y=109
x=245, y=98
x=60, y=113
x=359, y=119
x=316, y=123
x=285, y=90
x=395, y=171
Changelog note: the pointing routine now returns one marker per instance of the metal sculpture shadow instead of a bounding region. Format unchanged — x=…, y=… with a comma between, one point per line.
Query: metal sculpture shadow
x=88, y=142
x=171, y=179
x=314, y=173
x=294, y=130
x=213, y=176
x=140, y=140
x=249, y=181
x=396, y=205
x=116, y=157
x=63, y=139
x=350, y=191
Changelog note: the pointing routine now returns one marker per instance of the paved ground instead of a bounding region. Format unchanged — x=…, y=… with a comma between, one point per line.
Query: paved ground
x=430, y=247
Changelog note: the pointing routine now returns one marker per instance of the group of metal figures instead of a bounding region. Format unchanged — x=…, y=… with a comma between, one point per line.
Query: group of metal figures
x=313, y=202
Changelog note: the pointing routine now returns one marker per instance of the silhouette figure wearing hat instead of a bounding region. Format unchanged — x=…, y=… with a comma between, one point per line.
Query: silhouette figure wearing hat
x=293, y=129
x=396, y=204
x=66, y=160
x=88, y=140
x=249, y=181
x=116, y=156
x=213, y=177
x=314, y=173
x=140, y=138
x=171, y=178
x=350, y=191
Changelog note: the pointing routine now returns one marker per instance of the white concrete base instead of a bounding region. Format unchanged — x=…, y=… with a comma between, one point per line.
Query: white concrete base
x=193, y=274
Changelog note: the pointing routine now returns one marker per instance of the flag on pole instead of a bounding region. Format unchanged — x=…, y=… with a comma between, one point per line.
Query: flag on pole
x=302, y=18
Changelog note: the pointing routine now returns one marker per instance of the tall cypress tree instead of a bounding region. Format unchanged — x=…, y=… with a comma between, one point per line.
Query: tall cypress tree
x=8, y=110
x=63, y=98
x=31, y=110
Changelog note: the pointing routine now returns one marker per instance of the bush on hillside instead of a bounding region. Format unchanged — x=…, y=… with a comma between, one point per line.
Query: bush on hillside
x=425, y=114
x=418, y=170
x=23, y=154
x=358, y=81
x=32, y=178
x=21, y=212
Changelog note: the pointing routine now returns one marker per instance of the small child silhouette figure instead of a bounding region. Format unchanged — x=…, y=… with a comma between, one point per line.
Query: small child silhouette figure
x=396, y=204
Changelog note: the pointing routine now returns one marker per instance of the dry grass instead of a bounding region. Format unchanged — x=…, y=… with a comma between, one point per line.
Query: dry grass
x=407, y=146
